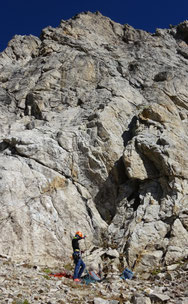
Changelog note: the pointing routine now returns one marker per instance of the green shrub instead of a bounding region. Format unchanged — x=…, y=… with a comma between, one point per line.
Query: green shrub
x=155, y=271
x=47, y=270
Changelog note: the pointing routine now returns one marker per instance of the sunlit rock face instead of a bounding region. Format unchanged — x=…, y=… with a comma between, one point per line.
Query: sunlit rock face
x=94, y=138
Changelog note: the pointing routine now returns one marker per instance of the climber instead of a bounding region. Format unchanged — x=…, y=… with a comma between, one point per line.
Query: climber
x=79, y=264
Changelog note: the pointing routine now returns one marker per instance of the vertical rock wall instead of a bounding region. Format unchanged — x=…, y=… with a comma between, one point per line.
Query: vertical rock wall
x=94, y=137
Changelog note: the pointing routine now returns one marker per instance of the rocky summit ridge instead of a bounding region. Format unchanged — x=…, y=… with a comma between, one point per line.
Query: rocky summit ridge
x=94, y=137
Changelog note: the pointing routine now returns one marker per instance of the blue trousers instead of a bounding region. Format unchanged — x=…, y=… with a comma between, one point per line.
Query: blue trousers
x=79, y=268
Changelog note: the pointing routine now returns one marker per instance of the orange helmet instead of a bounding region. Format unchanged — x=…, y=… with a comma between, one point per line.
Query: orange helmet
x=79, y=233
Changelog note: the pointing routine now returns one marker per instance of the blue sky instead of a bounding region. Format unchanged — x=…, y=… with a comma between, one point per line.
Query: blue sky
x=24, y=17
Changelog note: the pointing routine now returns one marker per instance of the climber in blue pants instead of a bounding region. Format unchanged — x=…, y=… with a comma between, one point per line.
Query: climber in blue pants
x=79, y=264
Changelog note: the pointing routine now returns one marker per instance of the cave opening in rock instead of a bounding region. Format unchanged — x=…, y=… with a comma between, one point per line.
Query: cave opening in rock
x=134, y=197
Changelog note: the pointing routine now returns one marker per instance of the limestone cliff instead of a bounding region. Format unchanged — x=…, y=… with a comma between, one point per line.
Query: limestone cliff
x=94, y=137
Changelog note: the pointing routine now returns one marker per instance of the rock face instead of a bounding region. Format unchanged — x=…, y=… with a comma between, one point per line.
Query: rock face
x=94, y=138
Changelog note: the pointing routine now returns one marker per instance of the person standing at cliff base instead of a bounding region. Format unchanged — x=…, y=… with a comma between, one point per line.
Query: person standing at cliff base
x=79, y=264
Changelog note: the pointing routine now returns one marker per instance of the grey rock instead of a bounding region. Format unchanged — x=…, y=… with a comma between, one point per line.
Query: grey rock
x=112, y=253
x=139, y=299
x=100, y=301
x=172, y=267
x=159, y=297
x=93, y=121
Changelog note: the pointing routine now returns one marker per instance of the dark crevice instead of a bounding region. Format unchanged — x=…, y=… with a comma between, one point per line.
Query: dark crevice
x=13, y=150
x=106, y=198
x=182, y=53
x=7, y=146
x=133, y=66
x=163, y=256
x=3, y=146
x=127, y=190
x=170, y=220
x=128, y=135
x=89, y=212
x=119, y=173
x=135, y=197
x=168, y=235
x=31, y=107
x=161, y=76
x=80, y=102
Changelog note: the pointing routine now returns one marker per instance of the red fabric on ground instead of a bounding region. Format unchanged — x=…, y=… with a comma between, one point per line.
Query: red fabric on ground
x=61, y=274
